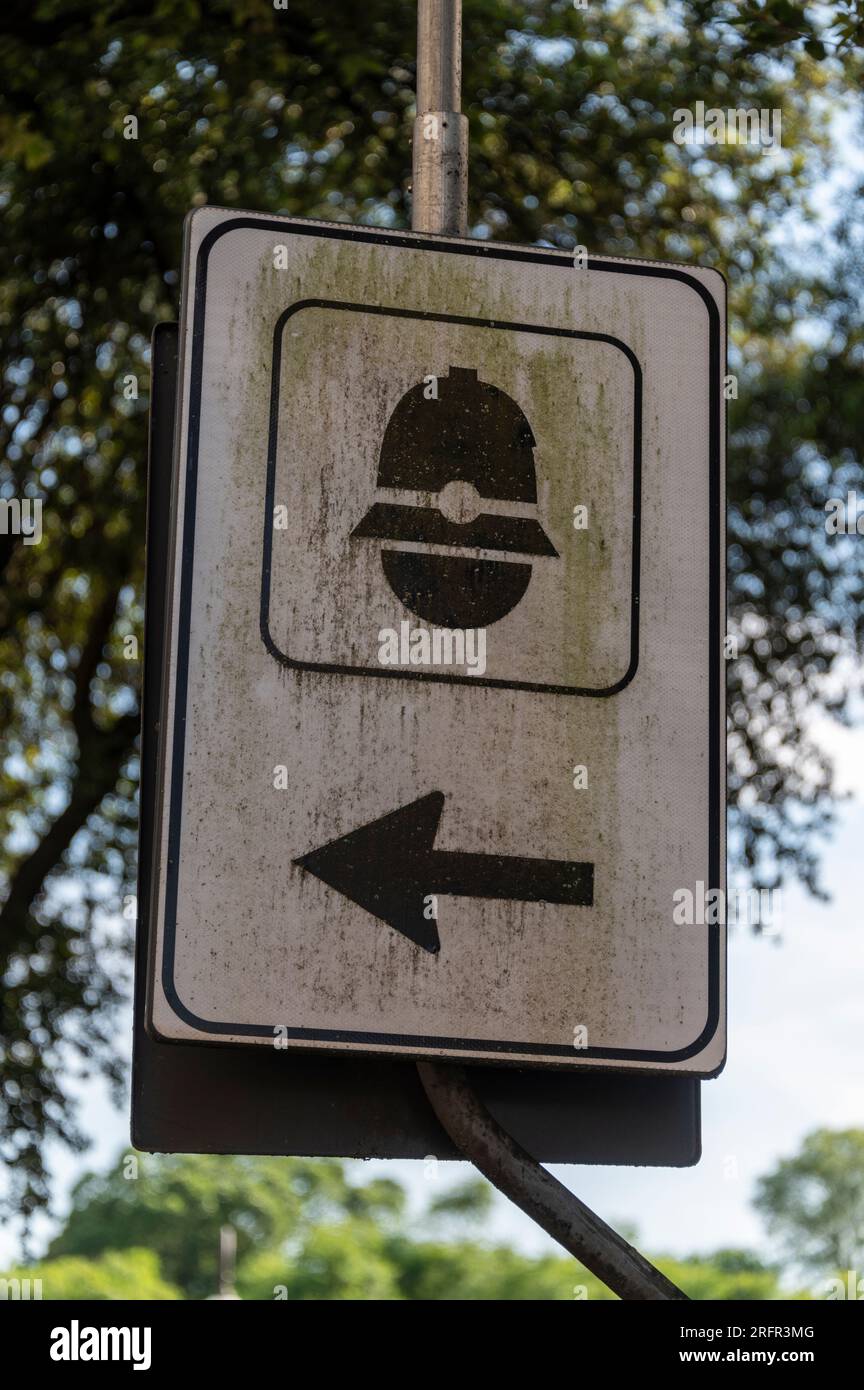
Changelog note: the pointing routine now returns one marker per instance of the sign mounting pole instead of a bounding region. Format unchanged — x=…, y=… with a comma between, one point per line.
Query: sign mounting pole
x=440, y=206
x=440, y=183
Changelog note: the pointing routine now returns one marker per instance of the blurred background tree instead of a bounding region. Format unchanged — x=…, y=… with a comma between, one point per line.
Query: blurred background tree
x=176, y=1206
x=116, y=117
x=117, y=1276
x=306, y=1232
x=814, y=1203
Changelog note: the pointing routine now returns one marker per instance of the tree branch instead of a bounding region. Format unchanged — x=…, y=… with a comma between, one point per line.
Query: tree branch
x=101, y=755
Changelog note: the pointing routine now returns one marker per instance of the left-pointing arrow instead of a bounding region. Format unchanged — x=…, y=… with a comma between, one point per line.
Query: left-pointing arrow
x=390, y=868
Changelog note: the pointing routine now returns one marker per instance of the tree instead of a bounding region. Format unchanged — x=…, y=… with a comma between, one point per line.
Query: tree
x=115, y=119
x=767, y=24
x=175, y=1206
x=814, y=1202
x=468, y=1203
x=116, y=1276
x=306, y=1232
x=733, y=1276
x=343, y=1261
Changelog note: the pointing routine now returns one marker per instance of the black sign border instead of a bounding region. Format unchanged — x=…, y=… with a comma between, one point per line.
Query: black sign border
x=337, y=669
x=540, y=1051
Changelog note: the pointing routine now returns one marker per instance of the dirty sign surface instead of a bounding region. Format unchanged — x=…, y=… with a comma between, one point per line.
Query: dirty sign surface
x=443, y=702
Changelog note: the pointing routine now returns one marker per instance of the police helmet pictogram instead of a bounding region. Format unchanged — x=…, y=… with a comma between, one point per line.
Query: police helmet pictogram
x=474, y=435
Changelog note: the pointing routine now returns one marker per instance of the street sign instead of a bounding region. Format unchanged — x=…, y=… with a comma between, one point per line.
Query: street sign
x=443, y=674
x=266, y=1101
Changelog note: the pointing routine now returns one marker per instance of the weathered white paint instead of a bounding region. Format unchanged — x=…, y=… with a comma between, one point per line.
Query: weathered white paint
x=260, y=942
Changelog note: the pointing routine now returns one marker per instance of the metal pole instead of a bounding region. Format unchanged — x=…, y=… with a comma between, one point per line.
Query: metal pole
x=227, y=1259
x=440, y=205
x=440, y=162
x=547, y=1201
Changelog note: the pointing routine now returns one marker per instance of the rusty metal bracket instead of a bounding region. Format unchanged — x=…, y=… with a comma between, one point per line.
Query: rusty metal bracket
x=547, y=1201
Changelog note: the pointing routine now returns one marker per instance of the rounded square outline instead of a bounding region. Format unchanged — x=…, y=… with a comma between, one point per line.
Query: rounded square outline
x=441, y=677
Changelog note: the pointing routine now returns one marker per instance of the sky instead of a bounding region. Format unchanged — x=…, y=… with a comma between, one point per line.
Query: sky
x=796, y=1028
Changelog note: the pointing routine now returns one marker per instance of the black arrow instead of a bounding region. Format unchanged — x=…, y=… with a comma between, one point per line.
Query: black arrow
x=390, y=867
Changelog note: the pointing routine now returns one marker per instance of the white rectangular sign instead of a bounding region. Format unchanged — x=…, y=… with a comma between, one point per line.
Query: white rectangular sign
x=444, y=753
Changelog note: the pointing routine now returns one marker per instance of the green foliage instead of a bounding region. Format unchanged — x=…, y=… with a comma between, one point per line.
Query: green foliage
x=464, y=1271
x=711, y=1279
x=828, y=28
x=348, y=1259
x=307, y=111
x=175, y=1206
x=306, y=1232
x=814, y=1202
x=471, y=1200
x=116, y=1276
